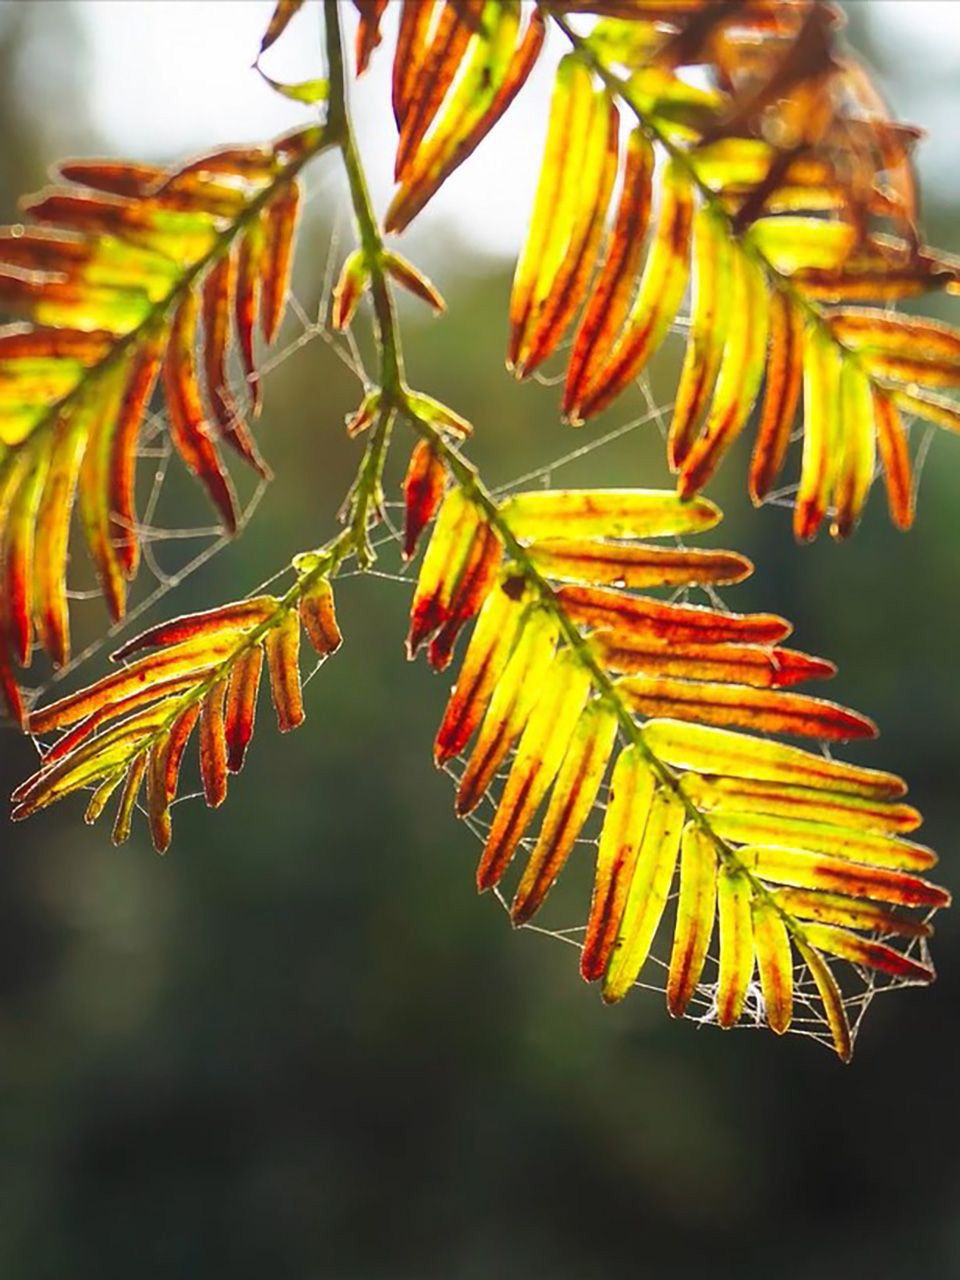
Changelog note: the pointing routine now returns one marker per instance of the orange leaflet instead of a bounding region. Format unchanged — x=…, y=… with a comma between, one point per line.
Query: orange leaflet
x=18, y=557
x=762, y=666
x=858, y=449
x=434, y=77
x=415, y=21
x=711, y=311
x=20, y=341
x=831, y=997
x=833, y=808
x=128, y=799
x=280, y=228
x=765, y=709
x=192, y=657
x=446, y=149
x=52, y=534
x=609, y=299
x=592, y=561
x=836, y=908
x=575, y=236
x=874, y=955
x=163, y=773
x=658, y=298
x=213, y=746
x=148, y=691
x=570, y=110
x=821, y=429
x=784, y=378
x=232, y=619
x=839, y=875
x=476, y=578
x=605, y=609
x=414, y=281
x=817, y=837
x=447, y=554
x=93, y=485
x=368, y=30
x=250, y=257
x=283, y=663
x=282, y=13
x=423, y=488
x=647, y=895
x=123, y=522
x=218, y=292
x=319, y=618
x=188, y=429
x=741, y=371
x=241, y=705
x=895, y=459
x=609, y=513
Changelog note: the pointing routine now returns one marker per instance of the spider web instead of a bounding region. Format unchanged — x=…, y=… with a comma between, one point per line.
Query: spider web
x=859, y=985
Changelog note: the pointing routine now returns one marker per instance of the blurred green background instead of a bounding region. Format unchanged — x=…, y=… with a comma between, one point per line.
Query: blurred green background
x=299, y=1046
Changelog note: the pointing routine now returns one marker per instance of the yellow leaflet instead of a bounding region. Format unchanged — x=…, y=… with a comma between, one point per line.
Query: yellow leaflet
x=487, y=653
x=628, y=805
x=513, y=699
x=649, y=887
x=832, y=999
x=792, y=243
x=741, y=371
x=740, y=755
x=732, y=163
x=561, y=694
x=696, y=908
x=571, y=803
x=736, y=944
x=821, y=426
x=614, y=513
x=840, y=842
x=36, y=379
x=858, y=448
x=471, y=97
x=574, y=213
x=94, y=307
x=571, y=94
x=775, y=963
x=837, y=809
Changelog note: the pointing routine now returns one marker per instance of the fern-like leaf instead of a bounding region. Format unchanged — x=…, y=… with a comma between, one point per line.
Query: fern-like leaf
x=574, y=671
x=124, y=273
x=203, y=670
x=769, y=230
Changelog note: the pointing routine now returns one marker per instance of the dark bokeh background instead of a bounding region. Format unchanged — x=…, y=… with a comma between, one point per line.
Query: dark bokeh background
x=300, y=1046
